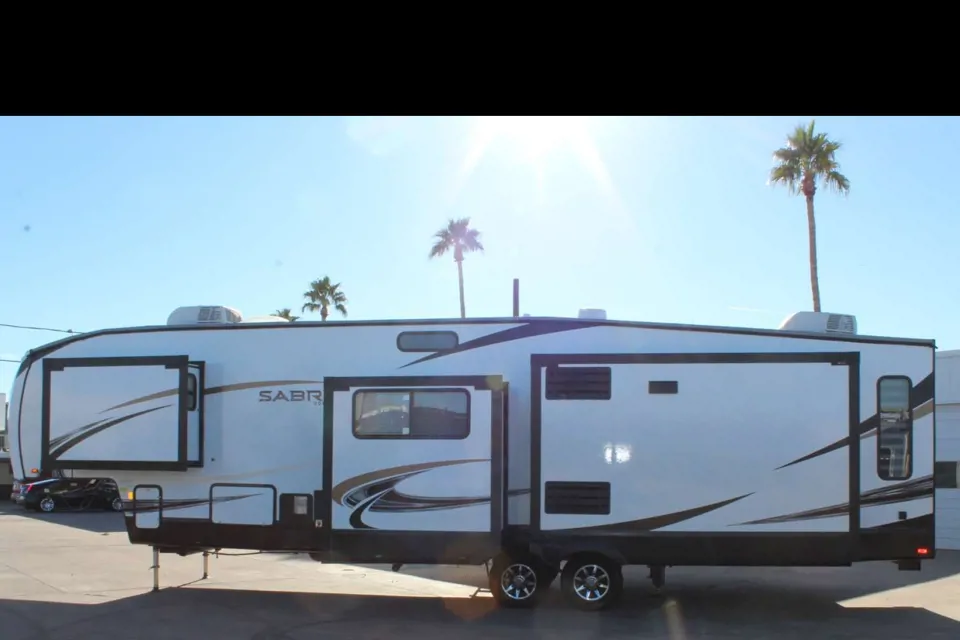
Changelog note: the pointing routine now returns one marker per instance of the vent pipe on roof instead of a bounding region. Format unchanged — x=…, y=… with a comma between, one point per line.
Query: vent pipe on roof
x=516, y=297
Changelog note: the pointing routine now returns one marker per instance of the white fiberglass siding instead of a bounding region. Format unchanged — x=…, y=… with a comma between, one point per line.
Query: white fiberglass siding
x=948, y=445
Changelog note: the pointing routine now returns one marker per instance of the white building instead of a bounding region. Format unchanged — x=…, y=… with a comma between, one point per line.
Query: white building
x=948, y=448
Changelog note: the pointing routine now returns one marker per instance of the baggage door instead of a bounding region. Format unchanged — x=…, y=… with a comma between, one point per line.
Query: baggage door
x=414, y=467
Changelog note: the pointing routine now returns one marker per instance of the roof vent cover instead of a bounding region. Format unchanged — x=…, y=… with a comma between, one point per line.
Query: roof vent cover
x=592, y=314
x=206, y=314
x=813, y=322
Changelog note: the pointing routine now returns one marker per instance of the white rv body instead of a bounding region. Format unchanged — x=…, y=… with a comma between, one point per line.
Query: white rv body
x=651, y=443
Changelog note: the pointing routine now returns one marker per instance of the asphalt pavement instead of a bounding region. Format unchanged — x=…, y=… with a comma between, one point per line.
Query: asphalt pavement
x=69, y=576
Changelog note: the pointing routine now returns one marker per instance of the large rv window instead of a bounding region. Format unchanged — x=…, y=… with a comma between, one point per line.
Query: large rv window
x=418, y=341
x=895, y=430
x=425, y=414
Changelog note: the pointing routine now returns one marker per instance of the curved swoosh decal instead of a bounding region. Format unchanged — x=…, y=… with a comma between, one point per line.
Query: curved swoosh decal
x=239, y=386
x=526, y=330
x=901, y=492
x=655, y=522
x=97, y=428
x=922, y=396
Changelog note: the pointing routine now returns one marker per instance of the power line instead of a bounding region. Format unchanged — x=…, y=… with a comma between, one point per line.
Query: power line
x=20, y=326
x=6, y=360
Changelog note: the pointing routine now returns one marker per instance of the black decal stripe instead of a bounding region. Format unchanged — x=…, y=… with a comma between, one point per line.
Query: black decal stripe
x=89, y=433
x=148, y=506
x=239, y=386
x=61, y=439
x=526, y=330
x=655, y=522
x=892, y=494
x=360, y=483
x=922, y=394
x=394, y=501
x=375, y=492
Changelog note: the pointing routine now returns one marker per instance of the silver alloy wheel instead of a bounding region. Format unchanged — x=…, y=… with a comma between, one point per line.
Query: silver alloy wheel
x=591, y=582
x=117, y=504
x=518, y=581
x=47, y=505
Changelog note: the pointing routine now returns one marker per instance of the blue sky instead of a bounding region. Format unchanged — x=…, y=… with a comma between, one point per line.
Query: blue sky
x=661, y=219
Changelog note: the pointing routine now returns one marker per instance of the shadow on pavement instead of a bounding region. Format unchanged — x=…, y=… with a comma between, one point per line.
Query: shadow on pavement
x=95, y=521
x=694, y=611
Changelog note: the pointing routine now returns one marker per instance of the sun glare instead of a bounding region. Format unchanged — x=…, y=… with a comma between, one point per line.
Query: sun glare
x=534, y=137
x=534, y=140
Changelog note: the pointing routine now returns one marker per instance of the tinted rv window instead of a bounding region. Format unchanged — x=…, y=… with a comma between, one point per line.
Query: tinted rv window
x=191, y=392
x=895, y=431
x=427, y=341
x=427, y=414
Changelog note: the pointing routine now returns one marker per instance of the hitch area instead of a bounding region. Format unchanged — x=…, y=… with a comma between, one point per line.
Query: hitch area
x=913, y=564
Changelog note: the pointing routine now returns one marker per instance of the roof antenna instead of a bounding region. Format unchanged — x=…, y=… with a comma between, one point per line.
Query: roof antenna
x=516, y=297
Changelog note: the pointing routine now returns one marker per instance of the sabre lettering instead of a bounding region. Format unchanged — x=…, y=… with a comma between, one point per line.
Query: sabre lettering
x=292, y=395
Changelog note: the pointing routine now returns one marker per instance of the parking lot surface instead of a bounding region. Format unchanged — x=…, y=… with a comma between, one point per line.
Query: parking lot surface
x=68, y=576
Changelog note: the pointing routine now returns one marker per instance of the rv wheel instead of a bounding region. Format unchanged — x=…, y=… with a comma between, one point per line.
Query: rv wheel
x=591, y=582
x=514, y=581
x=47, y=505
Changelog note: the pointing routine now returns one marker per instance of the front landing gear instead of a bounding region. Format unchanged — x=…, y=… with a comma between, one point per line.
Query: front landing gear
x=658, y=574
x=156, y=566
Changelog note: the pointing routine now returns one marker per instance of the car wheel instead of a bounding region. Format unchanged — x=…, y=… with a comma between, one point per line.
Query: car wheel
x=47, y=505
x=117, y=504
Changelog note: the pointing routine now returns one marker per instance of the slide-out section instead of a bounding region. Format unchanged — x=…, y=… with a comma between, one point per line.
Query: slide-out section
x=695, y=443
x=129, y=413
x=414, y=467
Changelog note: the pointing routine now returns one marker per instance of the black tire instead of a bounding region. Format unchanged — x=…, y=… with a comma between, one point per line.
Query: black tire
x=47, y=505
x=116, y=504
x=591, y=582
x=515, y=581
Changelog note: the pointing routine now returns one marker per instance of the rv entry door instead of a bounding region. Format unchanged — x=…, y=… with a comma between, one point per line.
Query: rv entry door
x=413, y=468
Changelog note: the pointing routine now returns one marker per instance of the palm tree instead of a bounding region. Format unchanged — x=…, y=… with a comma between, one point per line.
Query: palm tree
x=459, y=237
x=322, y=295
x=809, y=158
x=286, y=314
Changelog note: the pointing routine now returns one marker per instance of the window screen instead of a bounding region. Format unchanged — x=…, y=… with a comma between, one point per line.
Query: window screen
x=428, y=414
x=895, y=431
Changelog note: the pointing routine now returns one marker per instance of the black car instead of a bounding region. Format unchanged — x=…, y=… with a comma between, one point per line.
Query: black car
x=70, y=494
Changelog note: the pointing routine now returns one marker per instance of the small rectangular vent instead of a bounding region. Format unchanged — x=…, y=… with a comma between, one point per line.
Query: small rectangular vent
x=209, y=314
x=577, y=498
x=839, y=323
x=663, y=387
x=579, y=383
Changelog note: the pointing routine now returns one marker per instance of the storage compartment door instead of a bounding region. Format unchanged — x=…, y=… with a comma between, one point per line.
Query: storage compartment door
x=115, y=413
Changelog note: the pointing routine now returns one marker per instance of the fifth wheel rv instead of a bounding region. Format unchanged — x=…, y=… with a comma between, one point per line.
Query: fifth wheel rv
x=539, y=447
